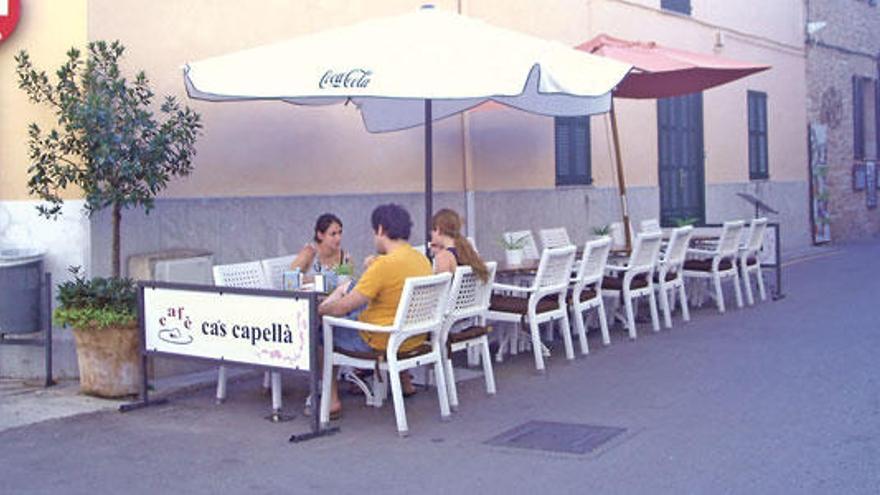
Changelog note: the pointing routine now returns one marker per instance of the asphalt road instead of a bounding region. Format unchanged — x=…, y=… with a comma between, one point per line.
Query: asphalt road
x=782, y=397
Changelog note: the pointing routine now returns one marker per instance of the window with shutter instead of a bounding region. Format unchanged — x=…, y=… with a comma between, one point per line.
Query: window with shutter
x=573, y=150
x=865, y=127
x=680, y=6
x=858, y=120
x=758, y=157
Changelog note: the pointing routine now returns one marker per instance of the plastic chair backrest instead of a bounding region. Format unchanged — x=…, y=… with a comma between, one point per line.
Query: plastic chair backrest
x=274, y=268
x=422, y=302
x=728, y=244
x=676, y=250
x=650, y=225
x=469, y=296
x=530, y=249
x=556, y=237
x=645, y=252
x=554, y=269
x=592, y=267
x=756, y=235
x=247, y=275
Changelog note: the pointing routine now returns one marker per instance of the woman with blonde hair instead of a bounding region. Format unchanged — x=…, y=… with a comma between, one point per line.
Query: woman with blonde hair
x=450, y=248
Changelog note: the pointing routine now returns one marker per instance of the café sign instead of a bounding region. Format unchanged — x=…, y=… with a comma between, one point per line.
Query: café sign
x=244, y=328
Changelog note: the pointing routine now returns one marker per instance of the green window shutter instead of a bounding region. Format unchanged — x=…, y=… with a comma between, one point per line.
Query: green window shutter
x=858, y=119
x=758, y=143
x=573, y=163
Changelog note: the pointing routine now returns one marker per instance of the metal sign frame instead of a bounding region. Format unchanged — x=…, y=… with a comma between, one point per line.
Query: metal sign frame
x=314, y=370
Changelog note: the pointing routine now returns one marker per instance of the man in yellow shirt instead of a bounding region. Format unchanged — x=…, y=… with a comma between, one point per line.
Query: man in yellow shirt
x=379, y=288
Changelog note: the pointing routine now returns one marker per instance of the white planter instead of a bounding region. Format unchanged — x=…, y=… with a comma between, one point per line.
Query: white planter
x=513, y=256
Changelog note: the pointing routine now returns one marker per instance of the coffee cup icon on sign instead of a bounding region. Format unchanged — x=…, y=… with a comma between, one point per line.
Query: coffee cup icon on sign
x=175, y=336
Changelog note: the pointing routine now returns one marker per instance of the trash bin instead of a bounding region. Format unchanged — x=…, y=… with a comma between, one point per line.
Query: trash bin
x=21, y=276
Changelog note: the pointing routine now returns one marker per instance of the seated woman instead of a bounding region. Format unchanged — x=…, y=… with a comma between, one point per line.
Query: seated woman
x=450, y=248
x=324, y=253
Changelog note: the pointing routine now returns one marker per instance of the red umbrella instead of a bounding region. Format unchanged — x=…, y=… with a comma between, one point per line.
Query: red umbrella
x=660, y=72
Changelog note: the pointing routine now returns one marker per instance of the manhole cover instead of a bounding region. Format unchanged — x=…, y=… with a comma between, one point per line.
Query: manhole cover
x=568, y=438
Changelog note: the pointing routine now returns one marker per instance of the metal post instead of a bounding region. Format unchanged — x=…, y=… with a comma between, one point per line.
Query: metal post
x=429, y=173
x=47, y=326
x=777, y=292
x=313, y=378
x=145, y=386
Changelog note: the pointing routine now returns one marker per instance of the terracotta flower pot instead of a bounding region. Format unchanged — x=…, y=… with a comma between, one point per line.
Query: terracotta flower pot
x=109, y=361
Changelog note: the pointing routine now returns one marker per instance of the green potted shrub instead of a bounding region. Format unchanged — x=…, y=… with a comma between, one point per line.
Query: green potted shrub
x=121, y=150
x=601, y=231
x=513, y=248
x=103, y=315
x=685, y=221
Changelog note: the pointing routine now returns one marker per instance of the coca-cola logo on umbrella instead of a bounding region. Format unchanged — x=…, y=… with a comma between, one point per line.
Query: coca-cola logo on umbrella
x=10, y=11
x=352, y=78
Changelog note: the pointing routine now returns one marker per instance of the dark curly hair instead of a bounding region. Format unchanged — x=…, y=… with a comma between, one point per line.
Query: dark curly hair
x=394, y=219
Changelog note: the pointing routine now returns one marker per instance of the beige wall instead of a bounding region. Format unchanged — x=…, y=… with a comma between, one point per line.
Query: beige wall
x=46, y=30
x=273, y=148
x=525, y=153
x=255, y=149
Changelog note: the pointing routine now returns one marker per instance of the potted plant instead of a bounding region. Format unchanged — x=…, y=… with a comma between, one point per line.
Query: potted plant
x=602, y=231
x=120, y=150
x=513, y=248
x=103, y=315
x=685, y=221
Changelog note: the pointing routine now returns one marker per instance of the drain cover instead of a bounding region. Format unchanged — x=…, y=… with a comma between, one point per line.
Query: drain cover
x=568, y=438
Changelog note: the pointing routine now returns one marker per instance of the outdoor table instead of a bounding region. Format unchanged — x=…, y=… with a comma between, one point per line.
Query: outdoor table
x=527, y=267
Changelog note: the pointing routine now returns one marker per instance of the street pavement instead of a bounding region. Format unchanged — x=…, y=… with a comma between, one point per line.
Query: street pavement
x=781, y=397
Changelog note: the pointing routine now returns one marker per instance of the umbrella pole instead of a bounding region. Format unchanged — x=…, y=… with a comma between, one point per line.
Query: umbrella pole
x=429, y=173
x=621, y=181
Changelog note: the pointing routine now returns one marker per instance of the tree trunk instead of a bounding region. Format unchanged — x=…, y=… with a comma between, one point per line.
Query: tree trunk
x=117, y=219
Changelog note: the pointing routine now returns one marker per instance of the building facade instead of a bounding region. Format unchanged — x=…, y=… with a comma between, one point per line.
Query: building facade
x=265, y=171
x=843, y=63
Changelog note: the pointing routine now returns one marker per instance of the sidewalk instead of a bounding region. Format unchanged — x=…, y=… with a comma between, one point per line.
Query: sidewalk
x=779, y=397
x=25, y=402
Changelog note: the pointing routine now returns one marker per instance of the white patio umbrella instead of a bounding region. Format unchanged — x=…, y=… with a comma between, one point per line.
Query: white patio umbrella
x=412, y=69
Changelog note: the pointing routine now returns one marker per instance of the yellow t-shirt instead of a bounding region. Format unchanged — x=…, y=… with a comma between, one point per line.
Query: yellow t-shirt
x=382, y=284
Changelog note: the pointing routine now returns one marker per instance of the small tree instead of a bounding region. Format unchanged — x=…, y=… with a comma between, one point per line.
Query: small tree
x=108, y=141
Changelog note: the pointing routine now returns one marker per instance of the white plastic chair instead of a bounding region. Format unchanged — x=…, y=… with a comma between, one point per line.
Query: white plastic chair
x=670, y=275
x=586, y=293
x=420, y=312
x=544, y=300
x=618, y=236
x=468, y=302
x=636, y=279
x=530, y=249
x=748, y=258
x=274, y=269
x=248, y=275
x=554, y=238
x=720, y=263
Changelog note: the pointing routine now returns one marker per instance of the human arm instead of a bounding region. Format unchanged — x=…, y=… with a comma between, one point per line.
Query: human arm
x=340, y=306
x=304, y=258
x=444, y=261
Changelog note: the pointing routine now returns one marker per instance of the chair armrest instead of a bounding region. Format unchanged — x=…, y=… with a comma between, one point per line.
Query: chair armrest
x=513, y=288
x=357, y=325
x=617, y=268
x=701, y=251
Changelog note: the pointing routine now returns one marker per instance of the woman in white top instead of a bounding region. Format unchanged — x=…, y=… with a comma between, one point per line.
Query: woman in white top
x=324, y=253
